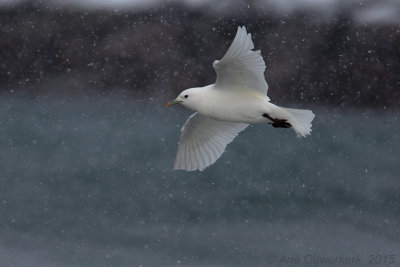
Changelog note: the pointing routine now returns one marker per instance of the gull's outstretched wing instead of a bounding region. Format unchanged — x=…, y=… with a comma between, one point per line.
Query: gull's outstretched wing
x=241, y=67
x=203, y=141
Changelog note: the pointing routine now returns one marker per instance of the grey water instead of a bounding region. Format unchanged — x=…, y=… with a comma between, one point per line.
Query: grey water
x=89, y=182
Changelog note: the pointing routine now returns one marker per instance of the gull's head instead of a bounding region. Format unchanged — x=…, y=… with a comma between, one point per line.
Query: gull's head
x=188, y=98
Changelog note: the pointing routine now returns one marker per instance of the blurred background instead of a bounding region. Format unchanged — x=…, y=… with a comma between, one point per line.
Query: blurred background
x=87, y=146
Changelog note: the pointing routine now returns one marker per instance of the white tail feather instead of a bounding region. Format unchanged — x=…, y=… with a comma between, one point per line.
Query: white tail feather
x=301, y=121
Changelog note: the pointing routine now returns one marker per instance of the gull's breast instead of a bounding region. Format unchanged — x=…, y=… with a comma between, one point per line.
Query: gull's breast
x=235, y=107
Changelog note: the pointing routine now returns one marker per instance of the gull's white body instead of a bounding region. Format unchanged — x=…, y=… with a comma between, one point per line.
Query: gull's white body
x=237, y=99
x=238, y=106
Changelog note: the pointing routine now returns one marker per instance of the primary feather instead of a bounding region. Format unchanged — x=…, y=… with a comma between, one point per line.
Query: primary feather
x=241, y=67
x=203, y=141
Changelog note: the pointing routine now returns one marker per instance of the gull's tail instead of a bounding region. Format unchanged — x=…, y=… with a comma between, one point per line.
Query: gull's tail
x=301, y=121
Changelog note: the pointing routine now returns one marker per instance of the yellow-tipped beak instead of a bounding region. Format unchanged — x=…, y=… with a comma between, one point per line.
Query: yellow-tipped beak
x=172, y=102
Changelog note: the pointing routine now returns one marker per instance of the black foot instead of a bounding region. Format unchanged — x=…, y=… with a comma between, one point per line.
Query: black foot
x=277, y=123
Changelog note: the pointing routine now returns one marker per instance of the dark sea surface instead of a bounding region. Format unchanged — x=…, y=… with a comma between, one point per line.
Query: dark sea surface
x=89, y=182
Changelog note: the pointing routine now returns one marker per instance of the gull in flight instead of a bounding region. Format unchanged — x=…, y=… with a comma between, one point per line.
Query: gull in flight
x=224, y=109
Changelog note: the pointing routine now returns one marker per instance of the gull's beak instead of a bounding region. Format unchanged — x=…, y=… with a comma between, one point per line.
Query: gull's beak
x=172, y=102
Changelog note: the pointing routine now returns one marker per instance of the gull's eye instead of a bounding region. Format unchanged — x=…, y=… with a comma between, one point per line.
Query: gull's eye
x=186, y=96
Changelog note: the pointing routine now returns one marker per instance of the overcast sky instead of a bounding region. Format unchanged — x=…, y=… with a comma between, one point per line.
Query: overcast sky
x=367, y=11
